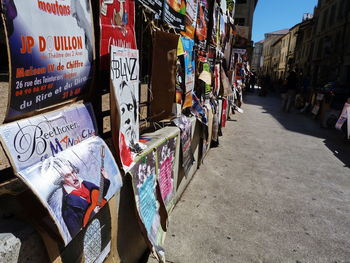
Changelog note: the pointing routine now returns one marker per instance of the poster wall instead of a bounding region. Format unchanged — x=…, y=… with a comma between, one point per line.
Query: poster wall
x=185, y=126
x=117, y=21
x=166, y=162
x=74, y=184
x=174, y=12
x=190, y=18
x=35, y=139
x=144, y=178
x=125, y=98
x=51, y=56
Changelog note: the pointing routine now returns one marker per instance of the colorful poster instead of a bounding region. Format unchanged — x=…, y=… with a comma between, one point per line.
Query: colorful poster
x=75, y=184
x=144, y=178
x=35, y=139
x=344, y=116
x=51, y=56
x=180, y=74
x=125, y=100
x=166, y=162
x=227, y=86
x=174, y=12
x=190, y=18
x=214, y=31
x=185, y=126
x=117, y=21
x=224, y=113
x=222, y=32
x=156, y=6
x=202, y=29
x=217, y=80
x=198, y=111
x=188, y=46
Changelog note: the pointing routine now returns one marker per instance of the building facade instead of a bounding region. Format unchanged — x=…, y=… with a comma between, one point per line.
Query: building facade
x=268, y=49
x=244, y=12
x=331, y=42
x=257, y=56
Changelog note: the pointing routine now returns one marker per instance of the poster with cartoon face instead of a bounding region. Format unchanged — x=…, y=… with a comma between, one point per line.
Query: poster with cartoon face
x=75, y=184
x=125, y=98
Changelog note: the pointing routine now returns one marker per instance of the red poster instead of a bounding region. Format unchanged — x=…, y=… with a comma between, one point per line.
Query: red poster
x=117, y=21
x=224, y=113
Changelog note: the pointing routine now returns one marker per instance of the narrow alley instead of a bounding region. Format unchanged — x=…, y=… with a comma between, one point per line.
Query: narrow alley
x=276, y=190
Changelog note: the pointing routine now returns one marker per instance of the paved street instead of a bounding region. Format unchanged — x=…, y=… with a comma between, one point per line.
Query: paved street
x=276, y=190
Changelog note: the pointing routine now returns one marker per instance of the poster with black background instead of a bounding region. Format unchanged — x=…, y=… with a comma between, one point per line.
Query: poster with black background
x=174, y=12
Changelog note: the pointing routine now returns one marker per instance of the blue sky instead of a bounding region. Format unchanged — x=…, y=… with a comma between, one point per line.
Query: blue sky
x=272, y=15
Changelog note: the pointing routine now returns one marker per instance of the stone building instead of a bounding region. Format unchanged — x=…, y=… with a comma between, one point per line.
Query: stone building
x=244, y=11
x=257, y=56
x=304, y=46
x=331, y=42
x=270, y=39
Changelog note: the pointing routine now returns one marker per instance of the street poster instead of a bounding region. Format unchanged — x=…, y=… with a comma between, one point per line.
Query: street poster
x=144, y=181
x=198, y=110
x=224, y=113
x=166, y=163
x=222, y=32
x=185, y=126
x=180, y=76
x=190, y=71
x=51, y=56
x=190, y=18
x=117, y=22
x=217, y=80
x=202, y=29
x=174, y=12
x=225, y=83
x=31, y=140
x=156, y=6
x=344, y=116
x=215, y=25
x=75, y=184
x=124, y=103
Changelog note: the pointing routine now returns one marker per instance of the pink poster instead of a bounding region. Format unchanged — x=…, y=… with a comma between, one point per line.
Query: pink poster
x=166, y=159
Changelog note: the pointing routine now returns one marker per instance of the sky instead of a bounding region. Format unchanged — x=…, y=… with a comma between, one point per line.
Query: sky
x=272, y=15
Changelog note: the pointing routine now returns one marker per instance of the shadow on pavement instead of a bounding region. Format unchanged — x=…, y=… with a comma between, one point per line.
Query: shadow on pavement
x=303, y=123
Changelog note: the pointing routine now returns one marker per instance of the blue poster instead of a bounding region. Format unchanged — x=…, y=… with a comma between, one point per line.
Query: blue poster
x=51, y=51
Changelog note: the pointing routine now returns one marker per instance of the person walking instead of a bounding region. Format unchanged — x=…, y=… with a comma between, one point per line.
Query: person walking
x=292, y=81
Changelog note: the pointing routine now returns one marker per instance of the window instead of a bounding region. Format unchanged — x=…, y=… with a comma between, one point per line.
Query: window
x=332, y=15
x=239, y=21
x=324, y=20
x=341, y=10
